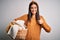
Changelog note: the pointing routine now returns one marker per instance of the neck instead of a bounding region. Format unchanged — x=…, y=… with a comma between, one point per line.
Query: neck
x=33, y=16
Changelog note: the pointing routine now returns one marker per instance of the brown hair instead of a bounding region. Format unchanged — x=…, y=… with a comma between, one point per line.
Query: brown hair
x=30, y=14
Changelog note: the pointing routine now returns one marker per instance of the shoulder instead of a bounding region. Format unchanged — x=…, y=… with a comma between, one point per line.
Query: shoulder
x=23, y=17
x=25, y=14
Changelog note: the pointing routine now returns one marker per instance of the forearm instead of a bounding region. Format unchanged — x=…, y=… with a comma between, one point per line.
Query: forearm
x=46, y=27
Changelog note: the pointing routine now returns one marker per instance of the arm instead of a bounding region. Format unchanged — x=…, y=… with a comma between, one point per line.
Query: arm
x=24, y=17
x=45, y=25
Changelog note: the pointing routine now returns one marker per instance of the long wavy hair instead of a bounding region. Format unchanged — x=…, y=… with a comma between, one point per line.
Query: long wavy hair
x=37, y=16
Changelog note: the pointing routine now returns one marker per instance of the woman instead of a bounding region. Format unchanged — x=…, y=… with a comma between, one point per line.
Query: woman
x=34, y=23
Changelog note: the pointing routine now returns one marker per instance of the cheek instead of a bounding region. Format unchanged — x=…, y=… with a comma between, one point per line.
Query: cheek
x=35, y=9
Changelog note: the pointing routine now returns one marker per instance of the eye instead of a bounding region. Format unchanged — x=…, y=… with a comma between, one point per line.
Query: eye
x=35, y=7
x=31, y=7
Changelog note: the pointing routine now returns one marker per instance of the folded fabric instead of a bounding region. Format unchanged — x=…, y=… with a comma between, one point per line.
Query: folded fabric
x=19, y=24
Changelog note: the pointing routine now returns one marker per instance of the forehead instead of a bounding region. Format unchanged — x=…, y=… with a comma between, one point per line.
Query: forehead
x=33, y=5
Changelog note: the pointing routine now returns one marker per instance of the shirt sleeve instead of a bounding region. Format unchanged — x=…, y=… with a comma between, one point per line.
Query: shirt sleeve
x=45, y=26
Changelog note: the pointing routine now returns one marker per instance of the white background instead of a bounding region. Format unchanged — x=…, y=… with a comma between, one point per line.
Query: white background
x=49, y=9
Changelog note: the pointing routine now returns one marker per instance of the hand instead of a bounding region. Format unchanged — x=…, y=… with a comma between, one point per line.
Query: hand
x=40, y=21
x=13, y=22
x=21, y=34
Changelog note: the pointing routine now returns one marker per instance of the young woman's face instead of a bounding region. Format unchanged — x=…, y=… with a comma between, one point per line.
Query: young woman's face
x=33, y=9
